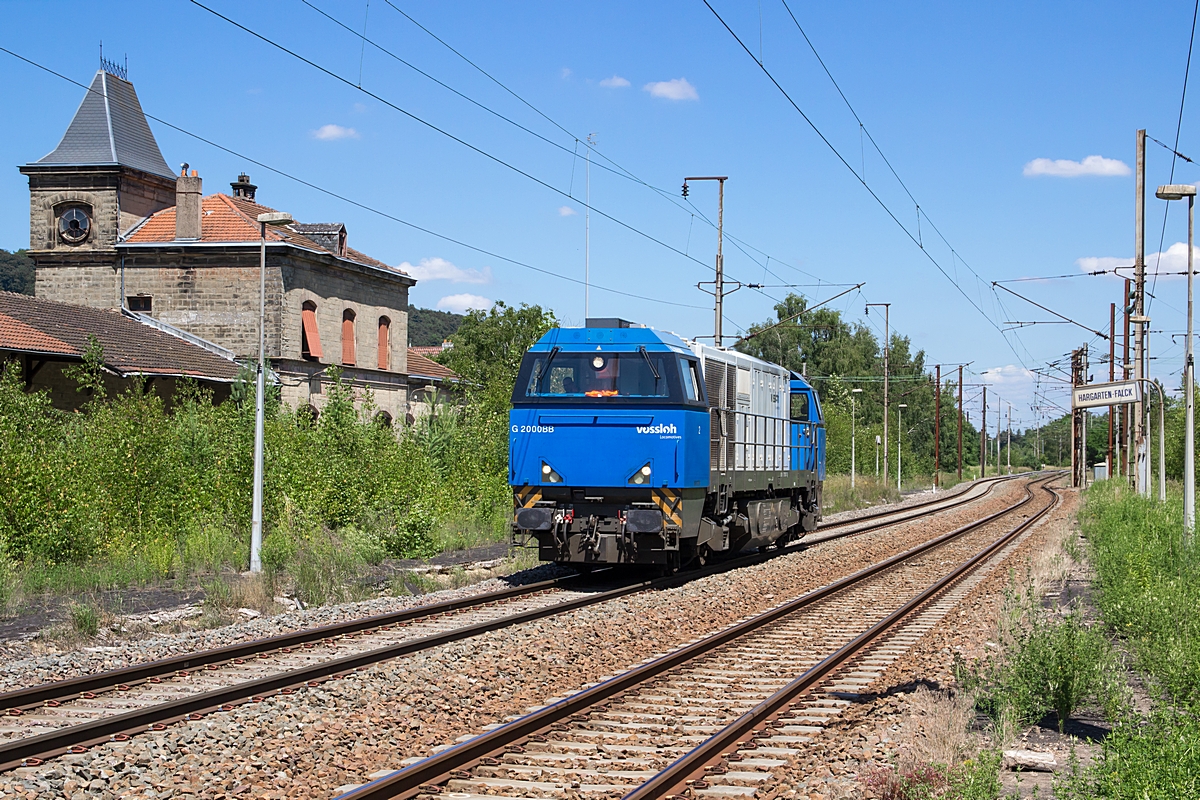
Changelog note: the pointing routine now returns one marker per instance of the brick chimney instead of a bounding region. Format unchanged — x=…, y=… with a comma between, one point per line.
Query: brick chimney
x=188, y=211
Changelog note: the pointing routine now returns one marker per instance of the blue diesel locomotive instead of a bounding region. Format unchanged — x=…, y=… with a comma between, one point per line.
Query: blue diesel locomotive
x=632, y=446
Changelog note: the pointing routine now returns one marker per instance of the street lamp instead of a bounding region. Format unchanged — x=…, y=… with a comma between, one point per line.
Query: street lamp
x=1178, y=191
x=274, y=218
x=899, y=410
x=852, y=435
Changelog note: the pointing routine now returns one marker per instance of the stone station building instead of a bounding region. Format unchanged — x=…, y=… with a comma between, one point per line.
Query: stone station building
x=111, y=226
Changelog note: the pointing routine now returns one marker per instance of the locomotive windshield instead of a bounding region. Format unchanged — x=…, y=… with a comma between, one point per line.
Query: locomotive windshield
x=598, y=375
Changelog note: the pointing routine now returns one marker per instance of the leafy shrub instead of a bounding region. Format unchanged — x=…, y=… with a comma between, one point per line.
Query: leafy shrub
x=134, y=488
x=1155, y=759
x=1149, y=585
x=1046, y=663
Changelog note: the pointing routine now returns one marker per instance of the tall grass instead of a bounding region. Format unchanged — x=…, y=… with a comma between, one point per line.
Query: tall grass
x=132, y=489
x=1149, y=590
x=836, y=494
x=1149, y=586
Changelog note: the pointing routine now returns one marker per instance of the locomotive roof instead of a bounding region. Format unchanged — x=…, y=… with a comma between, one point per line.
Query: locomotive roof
x=611, y=339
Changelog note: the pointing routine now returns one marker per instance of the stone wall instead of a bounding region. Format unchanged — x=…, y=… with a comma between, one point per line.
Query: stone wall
x=306, y=383
x=215, y=296
x=64, y=390
x=369, y=296
x=119, y=198
x=84, y=285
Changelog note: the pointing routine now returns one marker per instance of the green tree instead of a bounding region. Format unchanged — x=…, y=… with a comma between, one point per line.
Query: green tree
x=488, y=347
x=429, y=328
x=16, y=272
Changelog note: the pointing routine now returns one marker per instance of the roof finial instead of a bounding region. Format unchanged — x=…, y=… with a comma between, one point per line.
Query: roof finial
x=112, y=67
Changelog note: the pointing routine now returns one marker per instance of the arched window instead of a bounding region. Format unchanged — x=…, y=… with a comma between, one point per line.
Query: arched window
x=310, y=340
x=383, y=419
x=348, y=338
x=384, y=349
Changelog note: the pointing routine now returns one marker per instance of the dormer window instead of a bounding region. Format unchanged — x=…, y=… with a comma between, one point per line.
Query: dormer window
x=74, y=224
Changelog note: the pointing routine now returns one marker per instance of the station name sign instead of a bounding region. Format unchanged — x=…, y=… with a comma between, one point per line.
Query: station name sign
x=1106, y=394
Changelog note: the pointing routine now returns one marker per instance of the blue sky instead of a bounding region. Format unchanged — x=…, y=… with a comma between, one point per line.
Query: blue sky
x=961, y=98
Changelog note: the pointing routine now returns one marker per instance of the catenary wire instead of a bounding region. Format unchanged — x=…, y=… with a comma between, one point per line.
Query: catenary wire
x=865, y=185
x=616, y=169
x=478, y=150
x=864, y=130
x=1175, y=150
x=351, y=201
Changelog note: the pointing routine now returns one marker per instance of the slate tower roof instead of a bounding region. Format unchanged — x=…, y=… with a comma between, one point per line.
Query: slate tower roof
x=110, y=128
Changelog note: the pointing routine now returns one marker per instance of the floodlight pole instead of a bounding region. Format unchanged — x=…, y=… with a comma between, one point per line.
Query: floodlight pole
x=1178, y=192
x=887, y=308
x=1189, y=445
x=853, y=439
x=256, y=519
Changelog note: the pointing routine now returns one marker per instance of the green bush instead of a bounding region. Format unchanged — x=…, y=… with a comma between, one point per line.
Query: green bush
x=1046, y=663
x=1155, y=759
x=1149, y=585
x=133, y=488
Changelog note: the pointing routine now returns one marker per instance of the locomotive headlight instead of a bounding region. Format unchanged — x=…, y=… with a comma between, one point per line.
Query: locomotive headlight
x=549, y=475
x=598, y=363
x=641, y=477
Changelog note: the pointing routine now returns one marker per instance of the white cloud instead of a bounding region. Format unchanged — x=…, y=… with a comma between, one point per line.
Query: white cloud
x=461, y=303
x=1168, y=264
x=1010, y=384
x=564, y=73
x=615, y=82
x=1065, y=168
x=675, y=89
x=331, y=132
x=439, y=269
x=566, y=211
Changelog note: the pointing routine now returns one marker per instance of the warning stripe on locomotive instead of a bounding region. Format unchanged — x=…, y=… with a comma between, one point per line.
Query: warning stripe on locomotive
x=527, y=496
x=670, y=503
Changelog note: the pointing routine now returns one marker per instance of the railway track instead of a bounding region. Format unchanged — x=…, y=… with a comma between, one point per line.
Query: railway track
x=43, y=721
x=714, y=717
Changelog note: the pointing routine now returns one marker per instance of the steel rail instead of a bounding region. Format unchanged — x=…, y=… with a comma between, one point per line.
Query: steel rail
x=692, y=765
x=425, y=774
x=951, y=501
x=72, y=688
x=25, y=699
x=33, y=749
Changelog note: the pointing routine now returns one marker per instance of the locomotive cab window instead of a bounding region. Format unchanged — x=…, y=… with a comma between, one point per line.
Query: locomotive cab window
x=800, y=406
x=605, y=376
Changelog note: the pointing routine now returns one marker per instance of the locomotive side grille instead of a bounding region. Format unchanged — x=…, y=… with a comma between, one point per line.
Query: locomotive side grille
x=730, y=386
x=714, y=377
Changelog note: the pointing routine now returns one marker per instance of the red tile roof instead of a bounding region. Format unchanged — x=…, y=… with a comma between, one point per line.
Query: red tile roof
x=428, y=352
x=426, y=368
x=44, y=327
x=226, y=219
x=16, y=335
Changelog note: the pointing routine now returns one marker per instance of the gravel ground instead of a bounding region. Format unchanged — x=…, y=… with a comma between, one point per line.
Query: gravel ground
x=22, y=668
x=895, y=721
x=905, y=501
x=310, y=743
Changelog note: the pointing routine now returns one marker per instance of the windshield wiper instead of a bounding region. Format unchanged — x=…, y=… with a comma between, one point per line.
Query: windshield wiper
x=649, y=363
x=544, y=369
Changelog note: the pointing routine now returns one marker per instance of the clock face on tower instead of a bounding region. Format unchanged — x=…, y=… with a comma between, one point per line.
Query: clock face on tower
x=74, y=224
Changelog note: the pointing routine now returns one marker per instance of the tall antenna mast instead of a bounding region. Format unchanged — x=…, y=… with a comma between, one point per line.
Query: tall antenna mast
x=587, y=232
